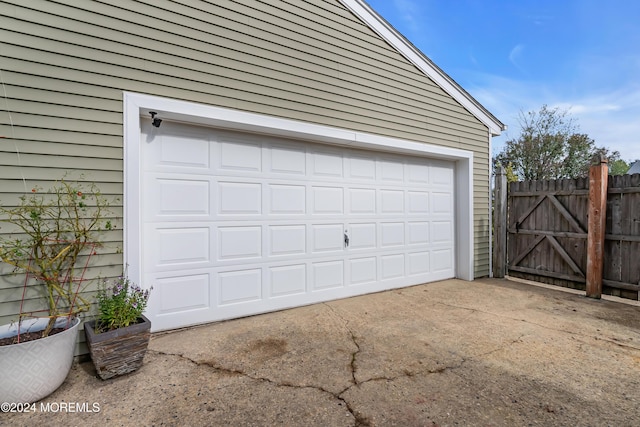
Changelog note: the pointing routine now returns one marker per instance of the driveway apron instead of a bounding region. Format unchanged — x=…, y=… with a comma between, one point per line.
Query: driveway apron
x=489, y=352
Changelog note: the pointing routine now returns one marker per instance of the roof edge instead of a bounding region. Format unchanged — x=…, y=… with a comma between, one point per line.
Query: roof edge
x=385, y=30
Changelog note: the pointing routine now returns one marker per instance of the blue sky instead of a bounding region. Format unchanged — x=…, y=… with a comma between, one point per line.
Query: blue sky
x=512, y=56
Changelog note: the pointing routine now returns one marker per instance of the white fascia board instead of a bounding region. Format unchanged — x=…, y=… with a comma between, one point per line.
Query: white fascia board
x=137, y=105
x=378, y=24
x=207, y=115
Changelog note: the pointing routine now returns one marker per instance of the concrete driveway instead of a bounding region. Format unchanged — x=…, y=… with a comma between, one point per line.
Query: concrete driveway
x=488, y=353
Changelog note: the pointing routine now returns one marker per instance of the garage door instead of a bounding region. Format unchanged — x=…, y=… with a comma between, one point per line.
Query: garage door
x=235, y=224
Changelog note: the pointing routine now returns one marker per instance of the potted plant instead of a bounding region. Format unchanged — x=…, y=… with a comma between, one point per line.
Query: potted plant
x=51, y=240
x=119, y=337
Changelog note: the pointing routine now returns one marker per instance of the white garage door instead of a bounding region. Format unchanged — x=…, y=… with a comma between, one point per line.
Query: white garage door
x=236, y=224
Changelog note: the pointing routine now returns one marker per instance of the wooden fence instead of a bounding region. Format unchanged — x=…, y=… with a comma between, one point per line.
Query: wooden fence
x=622, y=239
x=556, y=232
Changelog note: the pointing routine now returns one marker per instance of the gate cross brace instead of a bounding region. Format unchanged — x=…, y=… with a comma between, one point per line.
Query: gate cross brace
x=565, y=256
x=555, y=202
x=565, y=213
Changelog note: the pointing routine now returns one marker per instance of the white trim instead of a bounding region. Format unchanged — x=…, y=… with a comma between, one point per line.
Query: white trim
x=464, y=241
x=136, y=105
x=363, y=11
x=490, y=207
x=132, y=233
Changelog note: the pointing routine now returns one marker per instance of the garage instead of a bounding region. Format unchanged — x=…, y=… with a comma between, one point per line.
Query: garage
x=231, y=222
x=305, y=150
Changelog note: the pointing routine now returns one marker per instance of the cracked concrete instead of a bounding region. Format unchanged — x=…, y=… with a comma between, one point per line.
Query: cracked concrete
x=489, y=352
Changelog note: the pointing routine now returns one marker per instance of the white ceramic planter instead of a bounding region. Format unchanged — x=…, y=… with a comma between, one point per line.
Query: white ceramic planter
x=32, y=370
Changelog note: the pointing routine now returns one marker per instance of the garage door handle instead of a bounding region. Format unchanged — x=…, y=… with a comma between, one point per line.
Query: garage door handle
x=346, y=240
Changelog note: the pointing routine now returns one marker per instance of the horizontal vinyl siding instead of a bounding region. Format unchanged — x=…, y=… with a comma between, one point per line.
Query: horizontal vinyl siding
x=312, y=88
x=64, y=65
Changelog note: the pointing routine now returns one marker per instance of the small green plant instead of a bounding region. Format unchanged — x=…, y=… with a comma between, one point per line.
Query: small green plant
x=54, y=234
x=120, y=304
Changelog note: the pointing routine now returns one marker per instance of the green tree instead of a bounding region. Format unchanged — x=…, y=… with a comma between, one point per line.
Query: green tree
x=618, y=167
x=550, y=147
x=511, y=176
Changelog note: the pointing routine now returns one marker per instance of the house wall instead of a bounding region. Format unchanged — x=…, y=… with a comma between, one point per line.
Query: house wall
x=64, y=66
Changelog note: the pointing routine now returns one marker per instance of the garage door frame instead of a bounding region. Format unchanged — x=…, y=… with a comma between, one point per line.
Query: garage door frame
x=137, y=106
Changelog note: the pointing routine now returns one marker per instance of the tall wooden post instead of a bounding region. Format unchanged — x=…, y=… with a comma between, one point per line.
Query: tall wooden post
x=598, y=180
x=500, y=224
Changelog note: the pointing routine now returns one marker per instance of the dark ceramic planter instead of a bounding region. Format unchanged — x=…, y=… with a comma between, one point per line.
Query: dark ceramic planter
x=120, y=351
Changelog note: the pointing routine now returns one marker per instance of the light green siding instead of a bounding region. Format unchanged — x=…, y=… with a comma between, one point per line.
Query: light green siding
x=64, y=66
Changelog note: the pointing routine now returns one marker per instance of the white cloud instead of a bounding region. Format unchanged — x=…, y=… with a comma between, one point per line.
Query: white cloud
x=597, y=84
x=587, y=109
x=515, y=54
x=408, y=11
x=414, y=21
x=612, y=119
x=540, y=20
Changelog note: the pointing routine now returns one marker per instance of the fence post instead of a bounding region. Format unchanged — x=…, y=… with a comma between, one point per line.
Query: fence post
x=500, y=224
x=598, y=179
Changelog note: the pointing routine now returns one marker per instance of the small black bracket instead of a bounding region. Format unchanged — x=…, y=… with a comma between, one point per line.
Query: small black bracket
x=155, y=121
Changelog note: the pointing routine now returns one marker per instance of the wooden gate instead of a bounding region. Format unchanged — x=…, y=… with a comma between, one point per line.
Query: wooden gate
x=547, y=231
x=542, y=228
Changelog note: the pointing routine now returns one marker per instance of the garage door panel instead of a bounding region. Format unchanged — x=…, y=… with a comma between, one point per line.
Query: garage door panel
x=327, y=200
x=183, y=245
x=182, y=293
x=327, y=237
x=287, y=240
x=441, y=203
x=418, y=203
x=362, y=270
x=182, y=152
x=442, y=260
x=239, y=198
x=259, y=224
x=287, y=280
x=391, y=171
x=238, y=156
x=194, y=197
x=419, y=262
x=392, y=202
x=178, y=248
x=327, y=275
x=327, y=164
x=392, y=234
x=287, y=160
x=239, y=286
x=392, y=266
x=441, y=173
x=418, y=174
x=287, y=199
x=361, y=201
x=362, y=236
x=442, y=232
x=418, y=233
x=239, y=243
x=177, y=197
x=361, y=168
